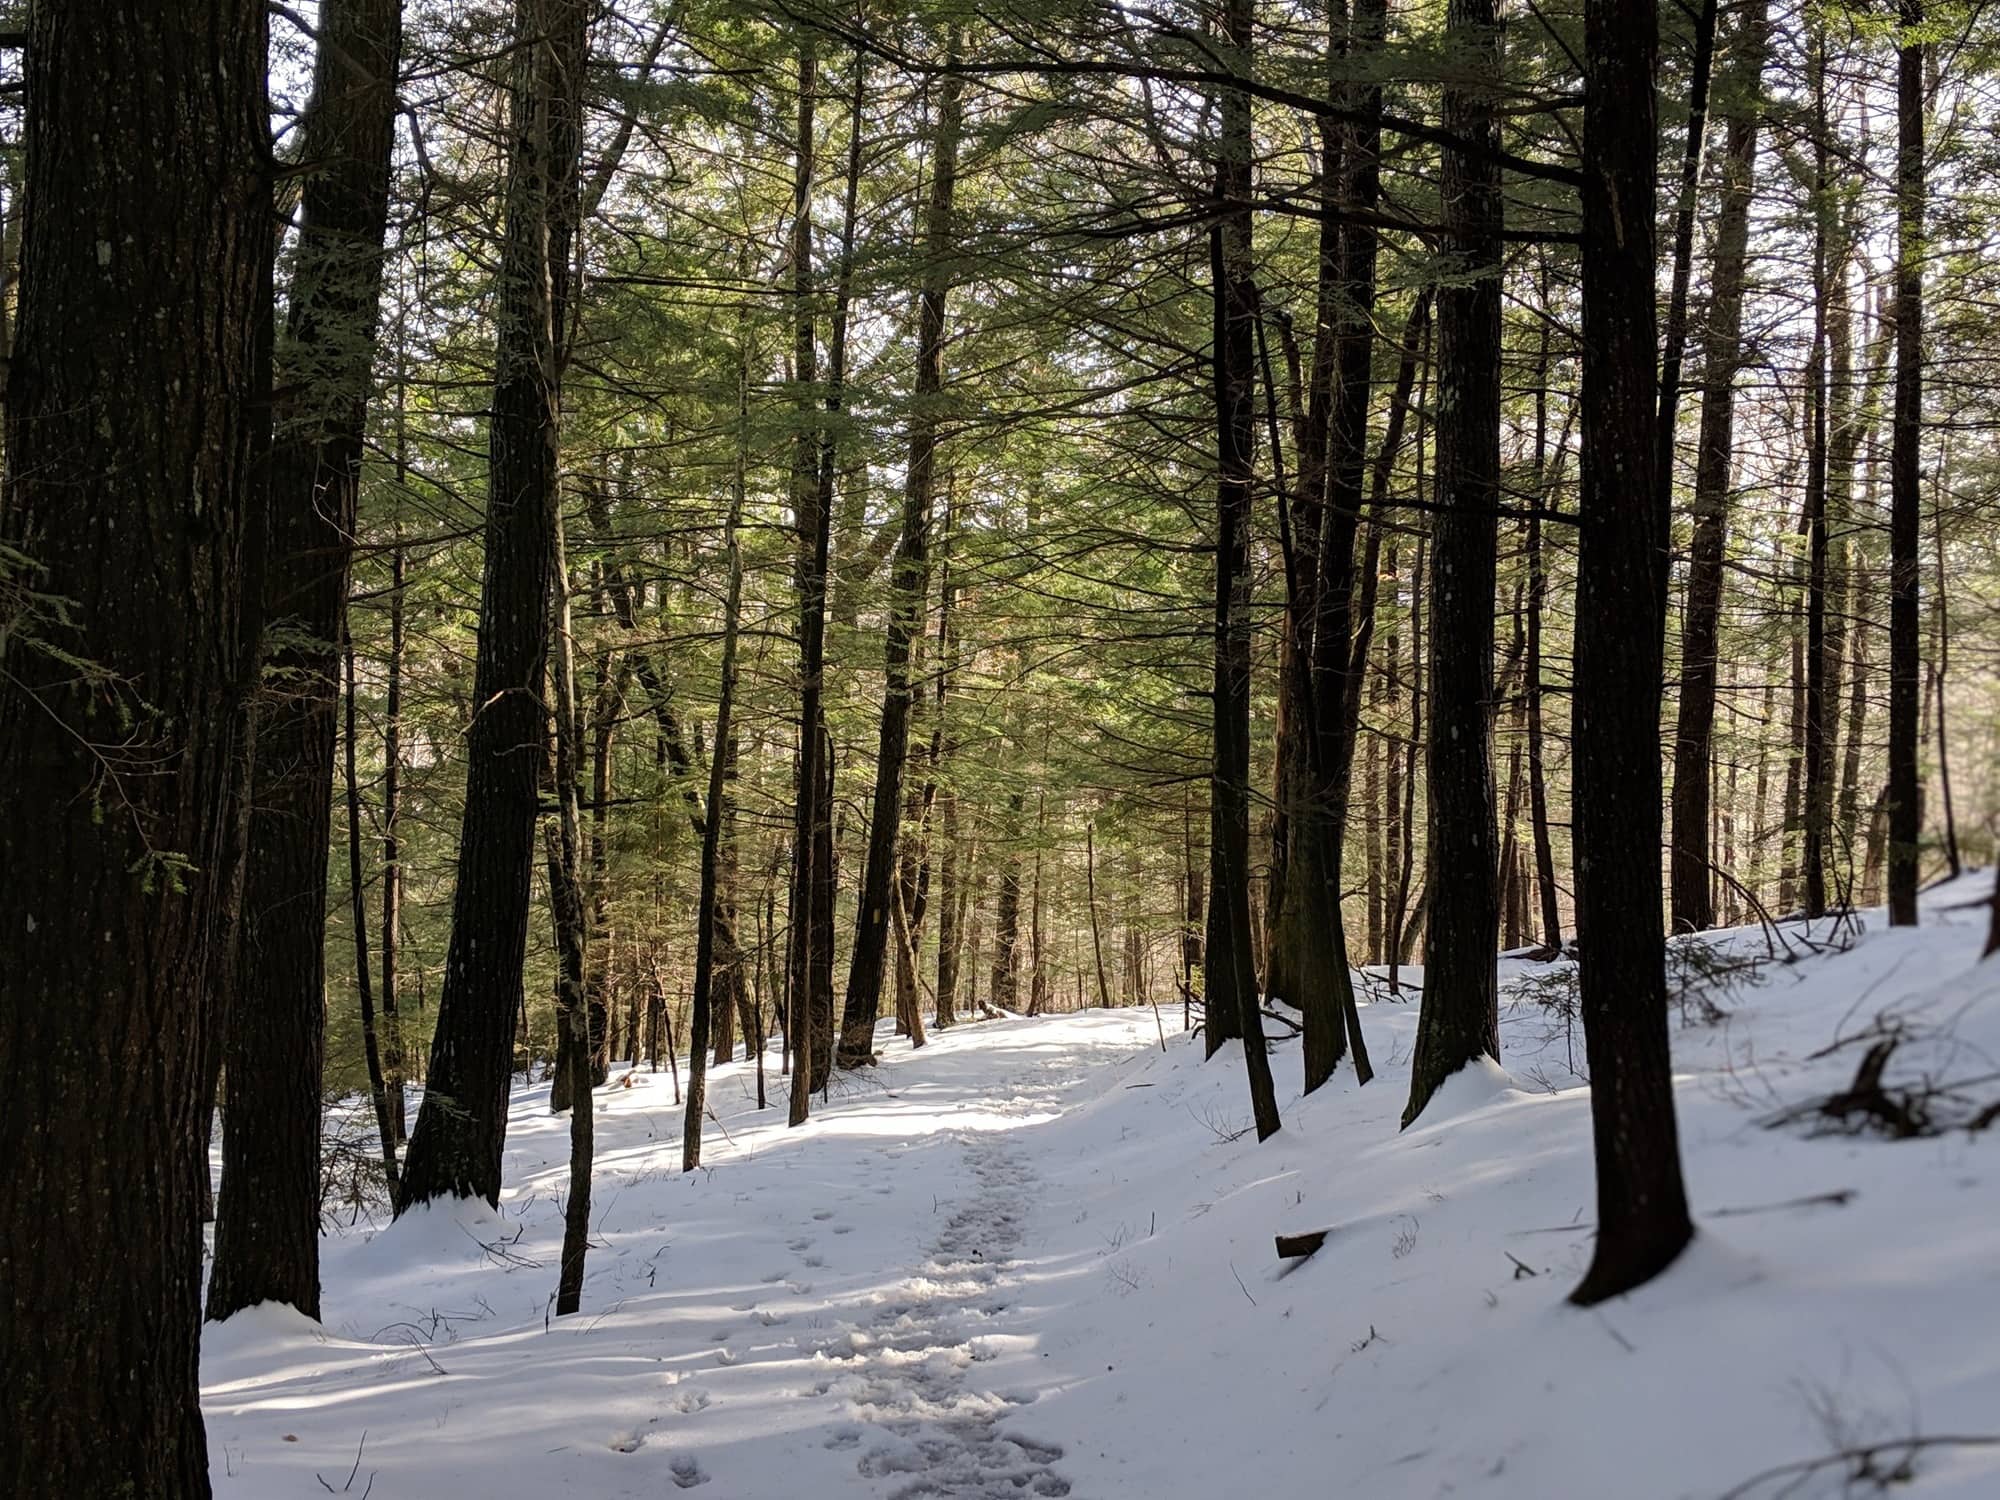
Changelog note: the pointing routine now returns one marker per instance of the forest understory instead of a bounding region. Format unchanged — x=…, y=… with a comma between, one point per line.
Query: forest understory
x=1037, y=1258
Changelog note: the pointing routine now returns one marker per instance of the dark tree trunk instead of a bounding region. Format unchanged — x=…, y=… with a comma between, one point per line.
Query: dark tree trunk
x=1231, y=980
x=1325, y=984
x=455, y=1151
x=1096, y=929
x=567, y=905
x=267, y=1218
x=949, y=880
x=1296, y=903
x=1007, y=915
x=1693, y=905
x=1905, y=794
x=1817, y=753
x=1642, y=1215
x=394, y=1059
x=1538, y=585
x=813, y=473
x=136, y=419
x=385, y=1125
x=1403, y=923
x=1460, y=1019
x=711, y=839
x=910, y=570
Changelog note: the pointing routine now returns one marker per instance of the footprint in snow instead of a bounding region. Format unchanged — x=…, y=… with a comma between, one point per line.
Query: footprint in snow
x=686, y=1472
x=691, y=1401
x=823, y=1214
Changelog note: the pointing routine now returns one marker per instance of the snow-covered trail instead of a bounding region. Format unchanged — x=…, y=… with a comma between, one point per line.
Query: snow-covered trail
x=1035, y=1259
x=842, y=1309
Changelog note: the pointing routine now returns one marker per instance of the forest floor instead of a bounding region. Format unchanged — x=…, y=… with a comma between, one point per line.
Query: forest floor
x=1035, y=1258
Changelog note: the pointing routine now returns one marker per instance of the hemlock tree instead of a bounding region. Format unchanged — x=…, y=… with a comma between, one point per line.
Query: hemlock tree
x=1904, y=792
x=1231, y=977
x=1460, y=1019
x=872, y=919
x=455, y=1149
x=267, y=1217
x=1642, y=1214
x=131, y=542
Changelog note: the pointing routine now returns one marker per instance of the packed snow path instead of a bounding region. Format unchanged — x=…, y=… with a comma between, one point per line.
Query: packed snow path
x=913, y=1370
x=1035, y=1259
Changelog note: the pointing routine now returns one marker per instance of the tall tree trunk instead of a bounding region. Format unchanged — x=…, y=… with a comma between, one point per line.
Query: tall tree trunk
x=267, y=1218
x=136, y=424
x=1090, y=895
x=1231, y=979
x=1905, y=794
x=455, y=1151
x=711, y=838
x=1642, y=1215
x=1402, y=921
x=1007, y=914
x=568, y=907
x=949, y=900
x=1295, y=902
x=1691, y=886
x=394, y=1061
x=1326, y=991
x=814, y=525
x=1817, y=763
x=1538, y=586
x=910, y=570
x=811, y=1003
x=371, y=1050
x=1460, y=1018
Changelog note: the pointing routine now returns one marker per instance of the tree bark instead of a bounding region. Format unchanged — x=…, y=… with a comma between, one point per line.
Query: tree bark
x=1231, y=981
x=1817, y=761
x=394, y=1058
x=456, y=1149
x=564, y=840
x=1905, y=793
x=1460, y=1018
x=267, y=1217
x=136, y=421
x=1642, y=1215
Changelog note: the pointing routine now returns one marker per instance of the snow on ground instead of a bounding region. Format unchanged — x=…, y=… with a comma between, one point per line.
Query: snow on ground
x=1035, y=1259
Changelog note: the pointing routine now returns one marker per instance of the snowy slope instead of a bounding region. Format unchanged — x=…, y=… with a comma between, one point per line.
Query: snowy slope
x=1036, y=1258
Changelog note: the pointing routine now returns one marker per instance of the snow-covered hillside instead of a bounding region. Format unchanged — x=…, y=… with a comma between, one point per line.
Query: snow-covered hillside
x=1036, y=1259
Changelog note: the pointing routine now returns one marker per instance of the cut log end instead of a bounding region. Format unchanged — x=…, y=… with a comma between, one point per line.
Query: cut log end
x=1298, y=1246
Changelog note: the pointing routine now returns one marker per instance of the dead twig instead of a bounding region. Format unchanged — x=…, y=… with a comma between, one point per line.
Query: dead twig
x=1864, y=1462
